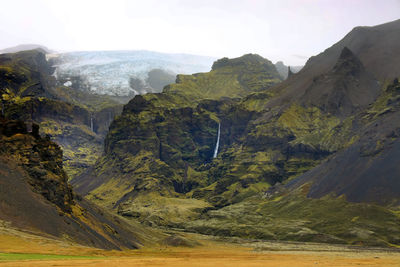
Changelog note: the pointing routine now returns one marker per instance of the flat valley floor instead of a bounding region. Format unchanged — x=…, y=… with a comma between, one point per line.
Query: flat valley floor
x=25, y=249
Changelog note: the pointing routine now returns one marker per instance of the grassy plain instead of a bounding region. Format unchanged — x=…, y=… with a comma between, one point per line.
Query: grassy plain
x=27, y=249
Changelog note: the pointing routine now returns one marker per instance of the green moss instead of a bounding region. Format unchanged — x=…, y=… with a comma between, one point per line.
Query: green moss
x=233, y=78
x=295, y=217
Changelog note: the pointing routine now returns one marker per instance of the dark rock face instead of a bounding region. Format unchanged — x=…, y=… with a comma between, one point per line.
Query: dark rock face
x=347, y=88
x=35, y=193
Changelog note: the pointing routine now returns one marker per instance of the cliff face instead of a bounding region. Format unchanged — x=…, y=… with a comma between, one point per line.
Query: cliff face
x=36, y=196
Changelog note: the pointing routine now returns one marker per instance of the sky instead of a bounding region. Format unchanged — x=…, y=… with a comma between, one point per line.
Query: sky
x=287, y=30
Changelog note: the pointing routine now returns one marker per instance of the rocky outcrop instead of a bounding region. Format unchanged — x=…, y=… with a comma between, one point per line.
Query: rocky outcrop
x=35, y=194
x=344, y=90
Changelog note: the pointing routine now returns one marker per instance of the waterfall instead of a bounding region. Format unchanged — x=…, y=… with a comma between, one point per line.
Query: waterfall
x=217, y=144
x=91, y=123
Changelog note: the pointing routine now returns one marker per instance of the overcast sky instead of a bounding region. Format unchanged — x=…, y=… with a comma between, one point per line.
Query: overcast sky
x=288, y=30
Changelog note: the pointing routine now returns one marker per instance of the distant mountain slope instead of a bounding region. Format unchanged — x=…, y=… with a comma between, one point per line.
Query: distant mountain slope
x=228, y=78
x=376, y=47
x=284, y=70
x=109, y=72
x=24, y=47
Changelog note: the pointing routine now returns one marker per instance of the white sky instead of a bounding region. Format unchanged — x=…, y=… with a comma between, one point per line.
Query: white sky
x=288, y=30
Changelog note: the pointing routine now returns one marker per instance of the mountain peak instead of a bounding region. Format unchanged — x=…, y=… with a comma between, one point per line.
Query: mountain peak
x=348, y=62
x=245, y=60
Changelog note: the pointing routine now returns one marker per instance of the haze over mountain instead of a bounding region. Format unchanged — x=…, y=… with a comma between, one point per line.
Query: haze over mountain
x=24, y=47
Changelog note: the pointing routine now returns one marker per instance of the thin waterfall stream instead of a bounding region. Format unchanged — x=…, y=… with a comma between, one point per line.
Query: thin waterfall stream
x=217, y=144
x=91, y=123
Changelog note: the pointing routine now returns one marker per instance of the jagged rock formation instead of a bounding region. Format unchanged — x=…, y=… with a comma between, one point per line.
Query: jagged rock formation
x=279, y=173
x=345, y=89
x=284, y=70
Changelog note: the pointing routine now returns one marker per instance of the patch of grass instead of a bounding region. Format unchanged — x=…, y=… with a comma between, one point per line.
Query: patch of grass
x=34, y=256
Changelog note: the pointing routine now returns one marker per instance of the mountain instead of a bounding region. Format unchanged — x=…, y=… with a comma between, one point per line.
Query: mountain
x=376, y=47
x=25, y=47
x=236, y=152
x=157, y=149
x=345, y=89
x=228, y=78
x=109, y=72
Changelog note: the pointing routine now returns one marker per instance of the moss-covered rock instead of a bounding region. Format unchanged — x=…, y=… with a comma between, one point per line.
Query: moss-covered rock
x=76, y=120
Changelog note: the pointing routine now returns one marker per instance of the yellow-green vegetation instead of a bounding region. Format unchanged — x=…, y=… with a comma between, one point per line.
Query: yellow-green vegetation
x=295, y=217
x=91, y=102
x=308, y=125
x=30, y=256
x=386, y=103
x=160, y=209
x=228, y=78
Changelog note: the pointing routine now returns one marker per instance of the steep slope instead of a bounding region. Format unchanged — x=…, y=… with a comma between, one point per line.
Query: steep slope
x=35, y=195
x=367, y=170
